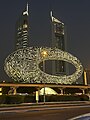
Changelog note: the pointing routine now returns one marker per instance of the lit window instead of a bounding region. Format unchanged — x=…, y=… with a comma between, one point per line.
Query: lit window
x=25, y=26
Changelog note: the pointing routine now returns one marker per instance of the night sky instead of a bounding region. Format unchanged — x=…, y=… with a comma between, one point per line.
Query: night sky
x=74, y=13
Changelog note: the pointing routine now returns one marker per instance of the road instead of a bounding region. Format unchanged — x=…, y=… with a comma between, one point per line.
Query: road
x=45, y=112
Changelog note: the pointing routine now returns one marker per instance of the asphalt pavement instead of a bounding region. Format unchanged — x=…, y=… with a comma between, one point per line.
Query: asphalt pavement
x=47, y=111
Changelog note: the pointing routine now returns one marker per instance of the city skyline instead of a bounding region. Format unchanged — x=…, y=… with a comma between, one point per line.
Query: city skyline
x=78, y=28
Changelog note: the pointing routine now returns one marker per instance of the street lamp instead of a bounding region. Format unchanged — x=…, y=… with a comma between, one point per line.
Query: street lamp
x=44, y=55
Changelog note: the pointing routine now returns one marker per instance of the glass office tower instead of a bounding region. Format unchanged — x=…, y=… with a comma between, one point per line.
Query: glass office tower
x=22, y=30
x=58, y=41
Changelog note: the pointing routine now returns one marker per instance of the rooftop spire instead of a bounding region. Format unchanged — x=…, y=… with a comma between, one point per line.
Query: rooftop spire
x=54, y=19
x=26, y=10
x=27, y=7
x=51, y=15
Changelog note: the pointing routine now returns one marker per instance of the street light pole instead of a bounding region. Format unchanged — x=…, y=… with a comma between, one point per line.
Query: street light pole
x=44, y=82
x=44, y=55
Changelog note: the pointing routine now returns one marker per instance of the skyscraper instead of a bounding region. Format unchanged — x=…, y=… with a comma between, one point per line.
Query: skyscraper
x=22, y=30
x=58, y=41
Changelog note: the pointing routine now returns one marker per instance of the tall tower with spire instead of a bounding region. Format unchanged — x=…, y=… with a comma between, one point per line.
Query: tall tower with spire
x=22, y=30
x=58, y=41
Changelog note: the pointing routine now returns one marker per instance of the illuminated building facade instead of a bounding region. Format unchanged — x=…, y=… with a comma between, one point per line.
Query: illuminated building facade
x=58, y=41
x=22, y=30
x=23, y=65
